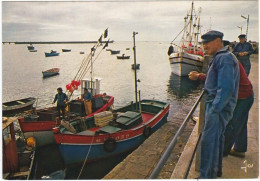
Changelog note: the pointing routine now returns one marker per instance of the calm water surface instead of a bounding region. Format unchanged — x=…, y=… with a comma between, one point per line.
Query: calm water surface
x=22, y=77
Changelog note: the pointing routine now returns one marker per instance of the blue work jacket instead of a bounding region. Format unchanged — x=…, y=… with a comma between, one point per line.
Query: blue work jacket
x=60, y=98
x=222, y=81
x=245, y=47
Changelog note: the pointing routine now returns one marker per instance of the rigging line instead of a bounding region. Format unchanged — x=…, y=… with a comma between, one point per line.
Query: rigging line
x=85, y=66
x=180, y=32
x=86, y=58
x=86, y=157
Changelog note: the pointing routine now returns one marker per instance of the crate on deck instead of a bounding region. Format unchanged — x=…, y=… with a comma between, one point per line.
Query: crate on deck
x=76, y=107
x=47, y=115
x=97, y=103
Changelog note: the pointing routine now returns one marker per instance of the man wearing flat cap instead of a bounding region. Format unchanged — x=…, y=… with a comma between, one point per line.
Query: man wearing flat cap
x=243, y=50
x=221, y=86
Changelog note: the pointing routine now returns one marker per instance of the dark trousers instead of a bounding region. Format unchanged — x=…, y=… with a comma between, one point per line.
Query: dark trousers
x=212, y=141
x=62, y=109
x=236, y=130
x=247, y=65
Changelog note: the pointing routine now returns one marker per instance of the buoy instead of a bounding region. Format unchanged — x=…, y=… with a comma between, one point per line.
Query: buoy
x=30, y=141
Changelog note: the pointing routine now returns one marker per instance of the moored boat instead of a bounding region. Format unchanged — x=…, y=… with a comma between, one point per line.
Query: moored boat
x=187, y=56
x=18, y=154
x=113, y=52
x=66, y=50
x=30, y=47
x=40, y=124
x=17, y=106
x=50, y=72
x=126, y=130
x=137, y=66
x=123, y=57
x=52, y=53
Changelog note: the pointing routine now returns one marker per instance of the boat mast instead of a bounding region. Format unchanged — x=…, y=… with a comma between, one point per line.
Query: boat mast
x=134, y=48
x=190, y=21
x=197, y=31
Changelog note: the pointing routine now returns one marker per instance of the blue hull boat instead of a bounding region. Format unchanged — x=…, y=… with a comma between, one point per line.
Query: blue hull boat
x=125, y=132
x=52, y=53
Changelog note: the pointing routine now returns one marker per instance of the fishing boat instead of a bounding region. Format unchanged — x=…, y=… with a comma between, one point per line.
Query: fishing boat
x=40, y=124
x=110, y=134
x=66, y=50
x=52, y=53
x=123, y=57
x=187, y=56
x=50, y=72
x=113, y=52
x=17, y=106
x=18, y=153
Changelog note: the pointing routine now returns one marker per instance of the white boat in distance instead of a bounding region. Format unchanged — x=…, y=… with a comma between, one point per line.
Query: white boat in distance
x=187, y=56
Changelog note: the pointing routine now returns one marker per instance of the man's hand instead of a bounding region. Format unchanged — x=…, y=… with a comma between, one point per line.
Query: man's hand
x=194, y=75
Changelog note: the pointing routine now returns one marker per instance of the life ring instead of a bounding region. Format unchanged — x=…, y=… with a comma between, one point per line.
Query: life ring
x=110, y=145
x=147, y=131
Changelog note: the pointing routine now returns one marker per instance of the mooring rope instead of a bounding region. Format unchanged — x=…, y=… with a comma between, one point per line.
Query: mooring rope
x=86, y=157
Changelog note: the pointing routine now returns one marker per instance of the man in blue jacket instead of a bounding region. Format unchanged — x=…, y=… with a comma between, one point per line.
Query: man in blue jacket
x=61, y=99
x=243, y=50
x=221, y=86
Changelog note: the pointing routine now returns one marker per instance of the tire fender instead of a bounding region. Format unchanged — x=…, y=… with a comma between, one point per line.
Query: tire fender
x=110, y=145
x=147, y=131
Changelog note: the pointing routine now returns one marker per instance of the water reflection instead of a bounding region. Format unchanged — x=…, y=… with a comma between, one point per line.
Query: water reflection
x=181, y=87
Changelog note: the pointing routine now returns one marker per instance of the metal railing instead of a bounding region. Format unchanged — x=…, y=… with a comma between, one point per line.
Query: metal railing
x=173, y=142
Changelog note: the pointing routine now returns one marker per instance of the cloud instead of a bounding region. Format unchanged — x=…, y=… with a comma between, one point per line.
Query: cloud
x=155, y=20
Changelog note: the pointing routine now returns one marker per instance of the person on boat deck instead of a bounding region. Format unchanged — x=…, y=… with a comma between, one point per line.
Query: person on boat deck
x=221, y=86
x=243, y=50
x=61, y=99
x=87, y=96
x=236, y=129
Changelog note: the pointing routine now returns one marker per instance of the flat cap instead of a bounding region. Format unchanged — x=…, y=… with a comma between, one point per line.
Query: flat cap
x=226, y=42
x=211, y=35
x=242, y=36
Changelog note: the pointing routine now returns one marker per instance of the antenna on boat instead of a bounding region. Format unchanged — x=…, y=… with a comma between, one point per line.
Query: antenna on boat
x=134, y=48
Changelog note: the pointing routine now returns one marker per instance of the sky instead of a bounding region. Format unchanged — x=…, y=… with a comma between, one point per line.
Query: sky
x=153, y=20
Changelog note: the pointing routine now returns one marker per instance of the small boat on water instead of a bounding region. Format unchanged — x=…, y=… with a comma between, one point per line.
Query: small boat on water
x=19, y=161
x=52, y=53
x=18, y=106
x=137, y=66
x=50, y=72
x=108, y=134
x=66, y=50
x=81, y=52
x=113, y=52
x=30, y=47
x=123, y=57
x=187, y=56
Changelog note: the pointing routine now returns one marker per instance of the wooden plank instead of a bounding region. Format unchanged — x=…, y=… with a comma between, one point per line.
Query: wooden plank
x=18, y=174
x=182, y=166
